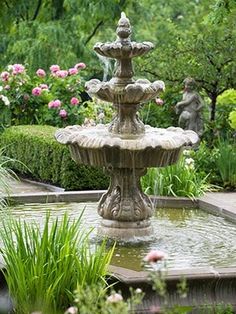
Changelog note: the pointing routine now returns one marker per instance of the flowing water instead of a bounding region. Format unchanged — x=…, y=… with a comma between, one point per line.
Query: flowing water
x=190, y=237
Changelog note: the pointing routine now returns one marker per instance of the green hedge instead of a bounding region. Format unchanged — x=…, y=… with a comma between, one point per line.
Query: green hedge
x=47, y=160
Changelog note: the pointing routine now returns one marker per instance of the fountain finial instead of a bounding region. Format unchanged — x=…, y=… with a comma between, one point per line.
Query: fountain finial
x=123, y=28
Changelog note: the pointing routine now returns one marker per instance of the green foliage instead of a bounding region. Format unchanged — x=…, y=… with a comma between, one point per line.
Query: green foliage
x=94, y=299
x=27, y=99
x=232, y=118
x=226, y=163
x=218, y=162
x=44, y=267
x=176, y=180
x=47, y=160
x=162, y=115
x=226, y=103
x=6, y=174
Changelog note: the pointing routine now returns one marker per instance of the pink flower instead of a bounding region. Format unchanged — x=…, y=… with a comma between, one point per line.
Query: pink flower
x=41, y=73
x=54, y=68
x=36, y=91
x=18, y=68
x=57, y=103
x=154, y=256
x=54, y=104
x=5, y=76
x=7, y=87
x=72, y=310
x=155, y=309
x=114, y=298
x=74, y=101
x=73, y=71
x=44, y=86
x=61, y=73
x=159, y=101
x=63, y=113
x=80, y=65
x=51, y=104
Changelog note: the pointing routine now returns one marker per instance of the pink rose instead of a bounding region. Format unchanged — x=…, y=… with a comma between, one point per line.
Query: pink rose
x=41, y=73
x=44, y=86
x=154, y=256
x=63, y=113
x=18, y=68
x=74, y=101
x=54, y=104
x=61, y=73
x=36, y=91
x=159, y=101
x=5, y=76
x=73, y=71
x=51, y=104
x=80, y=65
x=57, y=103
x=54, y=68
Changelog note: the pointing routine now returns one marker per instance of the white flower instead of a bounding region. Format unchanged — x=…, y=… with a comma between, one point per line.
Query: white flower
x=138, y=290
x=101, y=116
x=189, y=161
x=1, y=88
x=114, y=298
x=5, y=100
x=186, y=152
x=10, y=67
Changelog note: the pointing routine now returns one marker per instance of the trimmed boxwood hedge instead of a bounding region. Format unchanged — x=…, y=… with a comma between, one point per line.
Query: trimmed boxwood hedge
x=47, y=160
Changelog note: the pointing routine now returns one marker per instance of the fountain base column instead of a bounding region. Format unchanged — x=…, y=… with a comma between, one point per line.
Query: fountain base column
x=124, y=207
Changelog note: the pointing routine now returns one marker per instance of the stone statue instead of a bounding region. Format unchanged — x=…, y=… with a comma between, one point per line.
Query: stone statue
x=190, y=108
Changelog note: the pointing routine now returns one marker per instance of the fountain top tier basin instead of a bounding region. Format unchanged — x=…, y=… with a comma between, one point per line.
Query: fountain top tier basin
x=122, y=88
x=123, y=48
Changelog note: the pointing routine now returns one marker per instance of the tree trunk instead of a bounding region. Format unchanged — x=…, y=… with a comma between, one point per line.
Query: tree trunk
x=213, y=107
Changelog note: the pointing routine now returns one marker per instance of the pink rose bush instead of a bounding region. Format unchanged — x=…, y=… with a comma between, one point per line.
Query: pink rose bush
x=48, y=96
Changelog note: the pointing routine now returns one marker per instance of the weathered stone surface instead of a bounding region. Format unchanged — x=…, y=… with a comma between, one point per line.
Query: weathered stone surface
x=125, y=147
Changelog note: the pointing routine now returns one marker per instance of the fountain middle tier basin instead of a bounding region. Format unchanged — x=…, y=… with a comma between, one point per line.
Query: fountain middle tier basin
x=96, y=146
x=139, y=91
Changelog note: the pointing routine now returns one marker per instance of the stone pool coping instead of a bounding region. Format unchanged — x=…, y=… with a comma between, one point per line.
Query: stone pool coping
x=217, y=284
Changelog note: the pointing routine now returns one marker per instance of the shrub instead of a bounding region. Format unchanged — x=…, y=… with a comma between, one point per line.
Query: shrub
x=47, y=160
x=179, y=179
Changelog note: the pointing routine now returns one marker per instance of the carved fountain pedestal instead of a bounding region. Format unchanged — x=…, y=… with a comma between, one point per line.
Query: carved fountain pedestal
x=126, y=147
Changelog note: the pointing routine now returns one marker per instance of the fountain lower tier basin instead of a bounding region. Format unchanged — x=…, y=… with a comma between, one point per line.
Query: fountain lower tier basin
x=191, y=238
x=96, y=146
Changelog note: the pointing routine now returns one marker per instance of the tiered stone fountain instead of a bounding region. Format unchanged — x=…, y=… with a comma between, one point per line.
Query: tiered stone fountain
x=126, y=147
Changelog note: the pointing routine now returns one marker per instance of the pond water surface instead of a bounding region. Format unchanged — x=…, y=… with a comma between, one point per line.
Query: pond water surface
x=190, y=237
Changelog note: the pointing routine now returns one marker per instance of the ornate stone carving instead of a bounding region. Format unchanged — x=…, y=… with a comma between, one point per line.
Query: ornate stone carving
x=124, y=200
x=125, y=147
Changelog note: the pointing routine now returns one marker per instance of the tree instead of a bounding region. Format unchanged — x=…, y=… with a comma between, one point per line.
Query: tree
x=203, y=50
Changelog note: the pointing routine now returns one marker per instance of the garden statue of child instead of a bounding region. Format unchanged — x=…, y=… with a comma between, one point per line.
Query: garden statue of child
x=190, y=108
